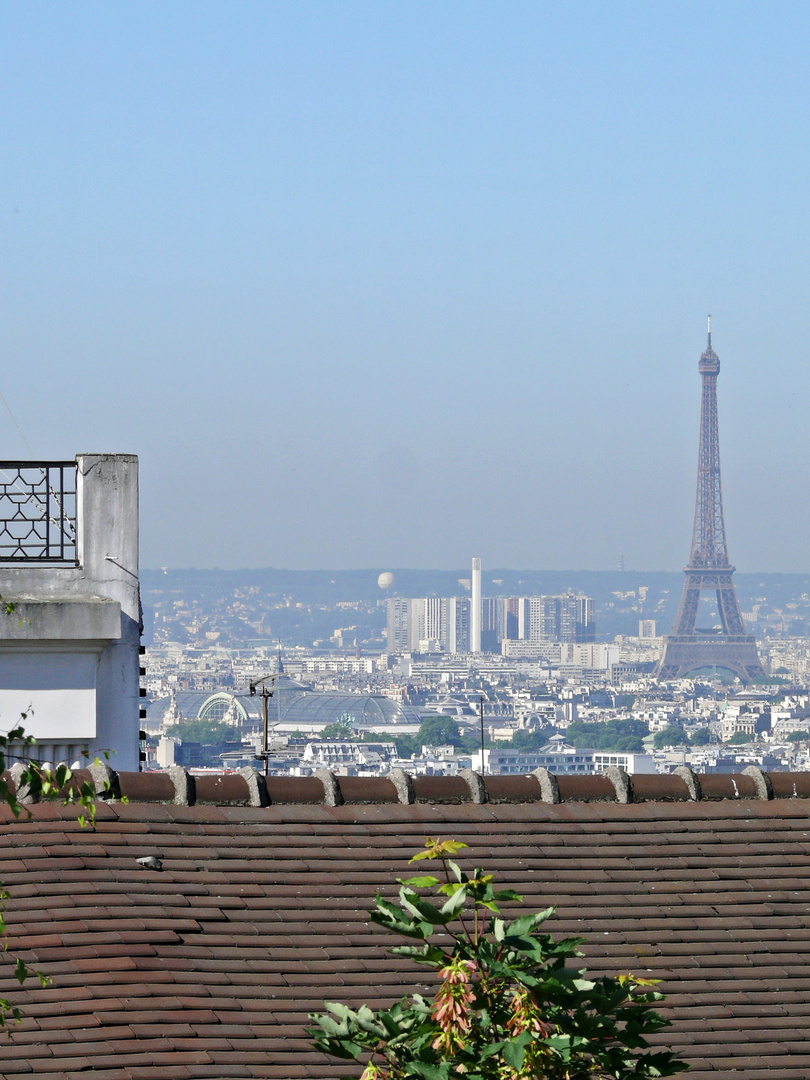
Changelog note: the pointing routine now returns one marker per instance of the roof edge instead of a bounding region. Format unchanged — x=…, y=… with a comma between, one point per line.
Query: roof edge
x=249, y=787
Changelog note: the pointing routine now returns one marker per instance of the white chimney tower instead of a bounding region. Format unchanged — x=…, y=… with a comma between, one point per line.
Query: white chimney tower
x=475, y=608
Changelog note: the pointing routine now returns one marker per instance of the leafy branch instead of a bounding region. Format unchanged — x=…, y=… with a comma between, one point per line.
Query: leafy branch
x=508, y=1005
x=39, y=782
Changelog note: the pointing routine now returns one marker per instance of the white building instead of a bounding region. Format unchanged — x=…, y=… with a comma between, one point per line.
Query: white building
x=69, y=565
x=561, y=759
x=458, y=624
x=429, y=624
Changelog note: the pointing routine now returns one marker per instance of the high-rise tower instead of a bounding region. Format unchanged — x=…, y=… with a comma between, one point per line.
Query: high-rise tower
x=475, y=607
x=688, y=647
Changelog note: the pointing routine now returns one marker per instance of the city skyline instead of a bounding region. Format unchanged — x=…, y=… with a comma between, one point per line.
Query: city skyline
x=378, y=286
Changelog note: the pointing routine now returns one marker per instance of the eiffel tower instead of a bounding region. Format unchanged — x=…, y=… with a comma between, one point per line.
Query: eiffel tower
x=688, y=648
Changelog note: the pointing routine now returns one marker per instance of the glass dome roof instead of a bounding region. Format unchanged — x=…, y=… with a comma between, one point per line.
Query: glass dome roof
x=357, y=709
x=291, y=704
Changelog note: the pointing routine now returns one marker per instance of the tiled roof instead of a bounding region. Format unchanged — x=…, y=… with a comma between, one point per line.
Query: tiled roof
x=207, y=968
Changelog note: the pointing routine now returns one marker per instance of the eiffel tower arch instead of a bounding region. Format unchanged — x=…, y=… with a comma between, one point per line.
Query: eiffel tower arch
x=709, y=569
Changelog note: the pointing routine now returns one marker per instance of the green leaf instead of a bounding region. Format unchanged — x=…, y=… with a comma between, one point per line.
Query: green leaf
x=414, y=903
x=367, y=1021
x=502, y=895
x=392, y=917
x=352, y=1049
x=424, y=954
x=560, y=1043
x=455, y=902
x=431, y=1072
x=438, y=849
x=527, y=923
x=514, y=1050
x=491, y=1049
x=425, y=882
x=388, y=906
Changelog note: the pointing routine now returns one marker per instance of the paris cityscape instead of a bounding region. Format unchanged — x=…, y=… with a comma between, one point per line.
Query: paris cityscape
x=495, y=683
x=404, y=564
x=202, y=646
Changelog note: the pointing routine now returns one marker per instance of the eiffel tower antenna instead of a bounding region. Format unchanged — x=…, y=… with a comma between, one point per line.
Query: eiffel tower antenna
x=709, y=568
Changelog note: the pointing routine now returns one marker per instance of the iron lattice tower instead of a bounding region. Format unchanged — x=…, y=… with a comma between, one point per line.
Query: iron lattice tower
x=730, y=647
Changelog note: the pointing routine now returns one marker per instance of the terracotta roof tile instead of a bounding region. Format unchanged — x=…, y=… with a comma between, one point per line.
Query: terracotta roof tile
x=208, y=968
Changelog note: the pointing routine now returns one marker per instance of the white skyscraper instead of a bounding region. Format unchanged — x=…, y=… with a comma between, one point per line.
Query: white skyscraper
x=475, y=608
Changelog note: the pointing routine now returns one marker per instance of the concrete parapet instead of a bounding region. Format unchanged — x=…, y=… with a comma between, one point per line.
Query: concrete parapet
x=404, y=784
x=621, y=784
x=184, y=788
x=475, y=782
x=761, y=780
x=331, y=788
x=691, y=781
x=549, y=787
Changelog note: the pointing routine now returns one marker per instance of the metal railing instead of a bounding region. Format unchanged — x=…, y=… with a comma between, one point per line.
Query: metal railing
x=38, y=512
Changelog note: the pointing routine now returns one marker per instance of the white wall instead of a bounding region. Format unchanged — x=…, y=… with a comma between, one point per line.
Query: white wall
x=69, y=651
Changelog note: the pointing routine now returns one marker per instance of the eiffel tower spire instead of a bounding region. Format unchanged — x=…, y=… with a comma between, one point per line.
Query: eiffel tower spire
x=709, y=534
x=709, y=568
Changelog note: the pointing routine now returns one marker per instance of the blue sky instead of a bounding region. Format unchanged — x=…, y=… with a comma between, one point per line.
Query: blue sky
x=392, y=284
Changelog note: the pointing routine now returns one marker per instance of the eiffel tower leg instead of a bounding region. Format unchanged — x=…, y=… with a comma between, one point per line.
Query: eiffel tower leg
x=687, y=609
x=729, y=609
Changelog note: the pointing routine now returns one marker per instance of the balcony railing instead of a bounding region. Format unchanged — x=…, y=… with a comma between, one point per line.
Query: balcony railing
x=38, y=512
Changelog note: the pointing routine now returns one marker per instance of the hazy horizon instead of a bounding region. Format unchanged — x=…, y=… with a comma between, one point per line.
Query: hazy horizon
x=462, y=570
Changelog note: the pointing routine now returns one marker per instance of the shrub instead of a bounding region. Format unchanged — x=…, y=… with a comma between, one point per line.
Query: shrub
x=507, y=1006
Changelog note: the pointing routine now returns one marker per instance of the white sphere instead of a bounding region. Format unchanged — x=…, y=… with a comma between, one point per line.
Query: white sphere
x=386, y=580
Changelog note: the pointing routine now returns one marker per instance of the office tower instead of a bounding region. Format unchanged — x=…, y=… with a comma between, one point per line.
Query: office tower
x=493, y=615
x=428, y=624
x=398, y=625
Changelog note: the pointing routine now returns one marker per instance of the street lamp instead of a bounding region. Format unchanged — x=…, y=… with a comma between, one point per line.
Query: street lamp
x=265, y=696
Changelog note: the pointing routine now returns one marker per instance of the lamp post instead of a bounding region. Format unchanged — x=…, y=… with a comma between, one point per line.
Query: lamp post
x=481, y=712
x=265, y=696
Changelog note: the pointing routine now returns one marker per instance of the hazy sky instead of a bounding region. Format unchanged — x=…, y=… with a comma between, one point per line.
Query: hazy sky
x=393, y=284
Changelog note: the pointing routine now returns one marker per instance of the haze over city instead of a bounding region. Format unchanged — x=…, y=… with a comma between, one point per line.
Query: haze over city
x=387, y=285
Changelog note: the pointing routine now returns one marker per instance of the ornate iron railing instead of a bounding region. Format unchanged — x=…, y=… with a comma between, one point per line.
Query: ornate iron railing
x=38, y=512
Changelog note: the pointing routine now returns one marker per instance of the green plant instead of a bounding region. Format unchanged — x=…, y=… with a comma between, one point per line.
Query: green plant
x=507, y=1005
x=41, y=783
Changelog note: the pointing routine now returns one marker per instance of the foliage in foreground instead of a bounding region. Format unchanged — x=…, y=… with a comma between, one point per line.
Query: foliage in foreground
x=41, y=783
x=506, y=1008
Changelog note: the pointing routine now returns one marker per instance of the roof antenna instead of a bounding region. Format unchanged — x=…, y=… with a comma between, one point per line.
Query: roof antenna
x=710, y=331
